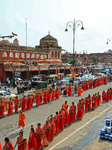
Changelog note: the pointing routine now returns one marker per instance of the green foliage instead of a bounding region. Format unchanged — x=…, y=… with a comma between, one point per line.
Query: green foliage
x=95, y=59
x=71, y=61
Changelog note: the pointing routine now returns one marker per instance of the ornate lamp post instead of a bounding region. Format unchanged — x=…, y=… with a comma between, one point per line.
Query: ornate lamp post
x=74, y=25
x=8, y=36
x=109, y=40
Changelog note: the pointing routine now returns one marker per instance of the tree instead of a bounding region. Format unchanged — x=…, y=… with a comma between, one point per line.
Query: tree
x=71, y=61
x=95, y=59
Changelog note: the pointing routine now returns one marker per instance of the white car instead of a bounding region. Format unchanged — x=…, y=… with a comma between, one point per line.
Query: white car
x=6, y=94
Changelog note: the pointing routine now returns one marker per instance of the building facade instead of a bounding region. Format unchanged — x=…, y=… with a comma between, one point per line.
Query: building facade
x=45, y=58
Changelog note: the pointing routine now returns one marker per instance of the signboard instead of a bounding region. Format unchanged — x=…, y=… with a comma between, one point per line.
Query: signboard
x=17, y=74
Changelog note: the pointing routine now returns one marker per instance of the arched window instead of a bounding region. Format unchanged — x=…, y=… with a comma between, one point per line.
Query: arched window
x=11, y=54
x=52, y=54
x=56, y=54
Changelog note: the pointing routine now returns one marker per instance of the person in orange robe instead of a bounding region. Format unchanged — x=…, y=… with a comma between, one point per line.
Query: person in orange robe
x=99, y=98
x=71, y=115
x=21, y=122
x=80, y=112
x=16, y=102
x=23, y=103
x=39, y=137
x=96, y=100
x=48, y=96
x=60, y=121
x=86, y=104
x=69, y=90
x=40, y=97
x=93, y=102
x=53, y=94
x=74, y=108
x=57, y=93
x=53, y=128
x=32, y=140
x=47, y=130
x=29, y=102
x=2, y=108
x=0, y=146
x=45, y=97
x=37, y=97
x=56, y=121
x=10, y=107
x=103, y=95
x=21, y=142
x=32, y=97
x=79, y=90
x=89, y=102
x=8, y=145
x=65, y=105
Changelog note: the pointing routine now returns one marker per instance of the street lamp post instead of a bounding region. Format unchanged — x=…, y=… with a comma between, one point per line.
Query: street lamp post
x=74, y=25
x=109, y=40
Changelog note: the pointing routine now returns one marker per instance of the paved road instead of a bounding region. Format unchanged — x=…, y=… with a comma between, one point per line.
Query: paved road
x=9, y=124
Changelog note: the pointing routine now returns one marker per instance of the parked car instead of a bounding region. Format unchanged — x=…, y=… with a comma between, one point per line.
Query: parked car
x=6, y=94
x=23, y=86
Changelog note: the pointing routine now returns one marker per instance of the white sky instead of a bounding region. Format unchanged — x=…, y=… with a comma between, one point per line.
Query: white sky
x=52, y=15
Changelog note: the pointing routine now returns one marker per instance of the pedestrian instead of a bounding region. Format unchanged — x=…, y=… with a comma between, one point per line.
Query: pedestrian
x=8, y=145
x=16, y=102
x=21, y=122
x=10, y=106
x=21, y=142
x=9, y=83
x=32, y=139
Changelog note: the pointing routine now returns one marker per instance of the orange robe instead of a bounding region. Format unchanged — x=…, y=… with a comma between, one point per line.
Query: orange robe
x=23, y=104
x=56, y=121
x=53, y=130
x=47, y=131
x=32, y=141
x=39, y=133
x=0, y=146
x=29, y=102
x=45, y=97
x=16, y=102
x=22, y=143
x=2, y=108
x=10, y=107
x=8, y=146
x=21, y=119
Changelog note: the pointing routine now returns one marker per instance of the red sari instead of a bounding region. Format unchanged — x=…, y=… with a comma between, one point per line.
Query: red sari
x=71, y=115
x=93, y=103
x=80, y=112
x=23, y=104
x=22, y=143
x=2, y=108
x=47, y=130
x=8, y=146
x=45, y=97
x=29, y=102
x=56, y=121
x=0, y=146
x=16, y=102
x=69, y=91
x=32, y=141
x=53, y=130
x=10, y=107
x=39, y=133
x=37, y=97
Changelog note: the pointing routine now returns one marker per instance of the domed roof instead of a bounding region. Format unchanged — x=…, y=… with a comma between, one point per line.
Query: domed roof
x=4, y=41
x=48, y=37
x=15, y=40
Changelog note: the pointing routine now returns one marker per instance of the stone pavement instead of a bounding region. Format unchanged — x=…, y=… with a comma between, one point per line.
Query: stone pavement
x=9, y=124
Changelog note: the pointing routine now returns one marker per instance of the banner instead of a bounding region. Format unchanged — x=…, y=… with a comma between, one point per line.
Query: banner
x=17, y=74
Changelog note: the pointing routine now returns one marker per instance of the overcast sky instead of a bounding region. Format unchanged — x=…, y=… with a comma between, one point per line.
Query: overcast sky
x=52, y=15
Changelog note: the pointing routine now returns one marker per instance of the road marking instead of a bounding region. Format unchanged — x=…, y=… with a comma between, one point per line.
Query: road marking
x=52, y=148
x=24, y=127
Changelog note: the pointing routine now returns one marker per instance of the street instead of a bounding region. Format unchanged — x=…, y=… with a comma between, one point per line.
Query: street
x=71, y=135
